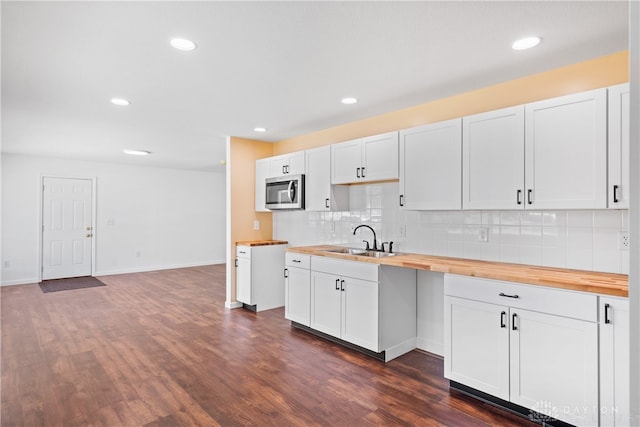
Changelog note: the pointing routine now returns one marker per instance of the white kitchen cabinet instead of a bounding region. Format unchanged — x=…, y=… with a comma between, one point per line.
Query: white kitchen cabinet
x=320, y=195
x=477, y=350
x=493, y=159
x=619, y=115
x=373, y=158
x=533, y=346
x=431, y=166
x=364, y=304
x=287, y=164
x=259, y=283
x=614, y=362
x=566, y=152
x=262, y=172
x=297, y=286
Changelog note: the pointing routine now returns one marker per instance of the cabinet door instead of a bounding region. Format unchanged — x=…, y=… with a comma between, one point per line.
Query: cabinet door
x=325, y=303
x=346, y=162
x=614, y=362
x=278, y=165
x=262, y=172
x=431, y=166
x=554, y=366
x=493, y=160
x=243, y=281
x=619, y=115
x=476, y=351
x=360, y=313
x=296, y=163
x=297, y=305
x=380, y=157
x=566, y=152
x=320, y=194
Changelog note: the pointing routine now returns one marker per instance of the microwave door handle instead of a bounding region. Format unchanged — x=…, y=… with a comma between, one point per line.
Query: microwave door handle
x=291, y=192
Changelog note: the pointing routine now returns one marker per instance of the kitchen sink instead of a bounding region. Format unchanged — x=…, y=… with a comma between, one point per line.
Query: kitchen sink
x=376, y=254
x=360, y=252
x=348, y=251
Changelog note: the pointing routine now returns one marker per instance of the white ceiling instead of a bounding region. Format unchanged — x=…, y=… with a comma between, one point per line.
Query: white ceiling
x=281, y=65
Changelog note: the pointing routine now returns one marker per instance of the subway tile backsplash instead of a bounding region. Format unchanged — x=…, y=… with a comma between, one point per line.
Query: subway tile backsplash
x=586, y=240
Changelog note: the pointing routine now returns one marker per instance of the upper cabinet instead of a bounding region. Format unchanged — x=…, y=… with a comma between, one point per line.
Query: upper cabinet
x=374, y=158
x=431, y=166
x=493, y=159
x=320, y=195
x=287, y=164
x=566, y=152
x=619, y=147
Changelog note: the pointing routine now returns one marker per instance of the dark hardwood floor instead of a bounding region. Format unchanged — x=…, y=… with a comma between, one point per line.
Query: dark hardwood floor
x=160, y=349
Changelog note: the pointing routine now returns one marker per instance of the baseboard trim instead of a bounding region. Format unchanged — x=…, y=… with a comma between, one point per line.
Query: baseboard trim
x=231, y=305
x=35, y=280
x=158, y=268
x=431, y=346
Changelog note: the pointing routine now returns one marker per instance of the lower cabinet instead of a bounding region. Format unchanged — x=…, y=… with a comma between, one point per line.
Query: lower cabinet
x=297, y=288
x=259, y=276
x=614, y=362
x=528, y=345
x=364, y=304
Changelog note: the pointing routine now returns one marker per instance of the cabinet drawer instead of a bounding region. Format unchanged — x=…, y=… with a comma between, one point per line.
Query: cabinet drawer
x=298, y=260
x=355, y=269
x=243, y=251
x=577, y=305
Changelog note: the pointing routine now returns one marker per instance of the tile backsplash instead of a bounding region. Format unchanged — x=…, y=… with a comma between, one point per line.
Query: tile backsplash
x=586, y=240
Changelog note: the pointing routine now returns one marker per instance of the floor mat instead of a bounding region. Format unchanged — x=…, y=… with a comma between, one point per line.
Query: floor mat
x=70, y=284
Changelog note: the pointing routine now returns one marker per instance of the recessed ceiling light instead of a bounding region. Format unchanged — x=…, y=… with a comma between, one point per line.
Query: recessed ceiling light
x=349, y=100
x=526, y=43
x=137, y=152
x=182, y=44
x=120, y=101
x=259, y=129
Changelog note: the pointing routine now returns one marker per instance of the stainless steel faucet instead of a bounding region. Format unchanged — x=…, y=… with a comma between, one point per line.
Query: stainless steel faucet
x=375, y=244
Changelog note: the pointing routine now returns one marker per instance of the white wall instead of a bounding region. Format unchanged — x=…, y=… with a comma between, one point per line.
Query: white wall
x=174, y=218
x=586, y=240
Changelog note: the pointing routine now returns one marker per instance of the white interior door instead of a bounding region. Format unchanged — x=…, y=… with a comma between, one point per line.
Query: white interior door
x=67, y=228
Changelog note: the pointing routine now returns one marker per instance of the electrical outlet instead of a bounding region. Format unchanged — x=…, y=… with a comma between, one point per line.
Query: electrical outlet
x=256, y=224
x=623, y=240
x=483, y=235
x=402, y=231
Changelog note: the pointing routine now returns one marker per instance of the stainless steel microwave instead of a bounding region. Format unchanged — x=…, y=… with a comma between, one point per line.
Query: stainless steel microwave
x=285, y=192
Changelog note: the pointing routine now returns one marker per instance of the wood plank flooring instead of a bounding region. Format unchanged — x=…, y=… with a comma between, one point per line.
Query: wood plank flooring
x=159, y=349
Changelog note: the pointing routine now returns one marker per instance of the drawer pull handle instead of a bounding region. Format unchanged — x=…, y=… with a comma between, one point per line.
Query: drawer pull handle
x=502, y=294
x=296, y=260
x=606, y=313
x=502, y=316
x=514, y=327
x=242, y=252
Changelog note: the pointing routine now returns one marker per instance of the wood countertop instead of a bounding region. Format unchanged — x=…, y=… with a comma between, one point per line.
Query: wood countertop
x=261, y=242
x=576, y=280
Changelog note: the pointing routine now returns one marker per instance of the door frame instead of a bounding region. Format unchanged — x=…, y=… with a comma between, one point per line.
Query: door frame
x=93, y=218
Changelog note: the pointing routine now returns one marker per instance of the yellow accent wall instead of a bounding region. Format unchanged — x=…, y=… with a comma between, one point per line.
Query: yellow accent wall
x=242, y=156
x=595, y=73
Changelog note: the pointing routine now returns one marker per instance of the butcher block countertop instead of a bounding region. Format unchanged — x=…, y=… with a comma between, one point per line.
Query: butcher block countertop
x=576, y=280
x=261, y=242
